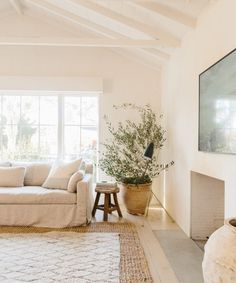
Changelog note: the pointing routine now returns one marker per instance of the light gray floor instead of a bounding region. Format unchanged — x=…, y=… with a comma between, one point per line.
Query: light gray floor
x=200, y=243
x=184, y=255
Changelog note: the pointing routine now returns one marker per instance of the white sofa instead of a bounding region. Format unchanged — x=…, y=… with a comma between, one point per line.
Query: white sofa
x=42, y=207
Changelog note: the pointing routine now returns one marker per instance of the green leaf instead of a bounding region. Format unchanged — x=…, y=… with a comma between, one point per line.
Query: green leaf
x=122, y=157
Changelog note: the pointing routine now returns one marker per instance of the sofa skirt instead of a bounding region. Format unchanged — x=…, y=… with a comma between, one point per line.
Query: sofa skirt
x=44, y=215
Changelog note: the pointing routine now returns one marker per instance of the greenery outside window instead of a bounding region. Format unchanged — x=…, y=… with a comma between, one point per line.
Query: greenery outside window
x=48, y=126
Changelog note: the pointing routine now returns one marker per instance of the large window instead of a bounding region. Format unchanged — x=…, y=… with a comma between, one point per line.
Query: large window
x=48, y=126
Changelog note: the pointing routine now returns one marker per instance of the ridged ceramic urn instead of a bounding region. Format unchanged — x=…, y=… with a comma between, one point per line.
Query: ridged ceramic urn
x=219, y=263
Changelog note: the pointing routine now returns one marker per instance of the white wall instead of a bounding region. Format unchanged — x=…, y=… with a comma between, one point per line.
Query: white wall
x=213, y=38
x=124, y=80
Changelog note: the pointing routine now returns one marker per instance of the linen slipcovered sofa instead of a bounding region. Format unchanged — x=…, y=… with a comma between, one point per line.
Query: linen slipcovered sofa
x=28, y=196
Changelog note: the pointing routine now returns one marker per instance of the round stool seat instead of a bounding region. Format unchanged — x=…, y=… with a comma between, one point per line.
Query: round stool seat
x=104, y=190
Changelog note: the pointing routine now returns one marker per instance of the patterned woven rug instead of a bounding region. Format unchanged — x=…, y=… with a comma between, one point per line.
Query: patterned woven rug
x=60, y=257
x=133, y=265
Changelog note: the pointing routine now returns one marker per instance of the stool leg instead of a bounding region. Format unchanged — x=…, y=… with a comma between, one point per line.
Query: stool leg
x=110, y=212
x=106, y=207
x=95, y=204
x=117, y=204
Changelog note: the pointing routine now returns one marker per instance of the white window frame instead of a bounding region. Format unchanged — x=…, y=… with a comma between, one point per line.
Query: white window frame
x=61, y=95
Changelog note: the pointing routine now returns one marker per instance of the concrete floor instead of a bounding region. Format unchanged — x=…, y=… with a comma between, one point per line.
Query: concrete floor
x=184, y=255
x=200, y=244
x=171, y=255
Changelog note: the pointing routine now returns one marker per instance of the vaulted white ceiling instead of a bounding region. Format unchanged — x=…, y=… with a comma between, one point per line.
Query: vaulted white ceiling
x=146, y=30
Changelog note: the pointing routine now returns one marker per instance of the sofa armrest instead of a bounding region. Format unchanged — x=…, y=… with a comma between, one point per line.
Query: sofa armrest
x=89, y=168
x=85, y=194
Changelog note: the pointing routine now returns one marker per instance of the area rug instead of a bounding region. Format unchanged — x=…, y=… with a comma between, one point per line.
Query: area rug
x=60, y=257
x=133, y=266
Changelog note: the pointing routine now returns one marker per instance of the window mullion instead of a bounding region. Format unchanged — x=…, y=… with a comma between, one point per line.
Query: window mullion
x=19, y=128
x=39, y=128
x=60, y=140
x=1, y=132
x=80, y=119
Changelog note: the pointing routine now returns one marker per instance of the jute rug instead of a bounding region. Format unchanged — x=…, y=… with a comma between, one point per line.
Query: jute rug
x=133, y=266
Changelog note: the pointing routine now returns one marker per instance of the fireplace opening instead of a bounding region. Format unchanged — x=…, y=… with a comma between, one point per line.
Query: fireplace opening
x=207, y=206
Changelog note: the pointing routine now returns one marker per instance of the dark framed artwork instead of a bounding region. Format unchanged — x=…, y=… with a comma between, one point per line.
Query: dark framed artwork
x=217, y=106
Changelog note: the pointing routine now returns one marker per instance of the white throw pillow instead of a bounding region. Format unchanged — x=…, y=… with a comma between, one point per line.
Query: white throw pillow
x=35, y=173
x=12, y=177
x=60, y=174
x=74, y=179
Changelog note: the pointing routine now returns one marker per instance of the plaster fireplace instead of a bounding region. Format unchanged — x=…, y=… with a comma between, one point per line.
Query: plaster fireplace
x=207, y=205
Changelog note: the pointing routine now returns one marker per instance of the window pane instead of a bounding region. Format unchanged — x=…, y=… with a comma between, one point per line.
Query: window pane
x=29, y=127
x=89, y=110
x=1, y=109
x=48, y=142
x=30, y=109
x=89, y=139
x=3, y=140
x=72, y=110
x=27, y=142
x=11, y=109
x=9, y=142
x=48, y=110
x=72, y=141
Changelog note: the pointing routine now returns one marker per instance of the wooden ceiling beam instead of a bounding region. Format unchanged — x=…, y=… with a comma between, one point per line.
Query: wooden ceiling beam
x=167, y=12
x=63, y=14
x=154, y=32
x=156, y=53
x=98, y=29
x=74, y=42
x=16, y=5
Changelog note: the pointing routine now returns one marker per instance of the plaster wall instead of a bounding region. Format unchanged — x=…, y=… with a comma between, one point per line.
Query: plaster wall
x=211, y=40
x=122, y=79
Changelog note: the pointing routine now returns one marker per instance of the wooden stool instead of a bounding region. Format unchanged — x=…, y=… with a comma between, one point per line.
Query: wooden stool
x=107, y=207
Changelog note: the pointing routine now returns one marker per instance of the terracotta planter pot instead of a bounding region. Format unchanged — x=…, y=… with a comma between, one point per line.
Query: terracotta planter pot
x=219, y=263
x=136, y=197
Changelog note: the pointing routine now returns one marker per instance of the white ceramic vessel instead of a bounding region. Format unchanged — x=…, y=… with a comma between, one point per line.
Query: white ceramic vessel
x=219, y=263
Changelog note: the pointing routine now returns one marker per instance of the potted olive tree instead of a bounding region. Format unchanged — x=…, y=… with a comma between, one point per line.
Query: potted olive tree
x=131, y=156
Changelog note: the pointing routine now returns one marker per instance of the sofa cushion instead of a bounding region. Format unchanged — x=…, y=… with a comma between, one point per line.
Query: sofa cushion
x=60, y=174
x=74, y=179
x=35, y=173
x=12, y=177
x=35, y=195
